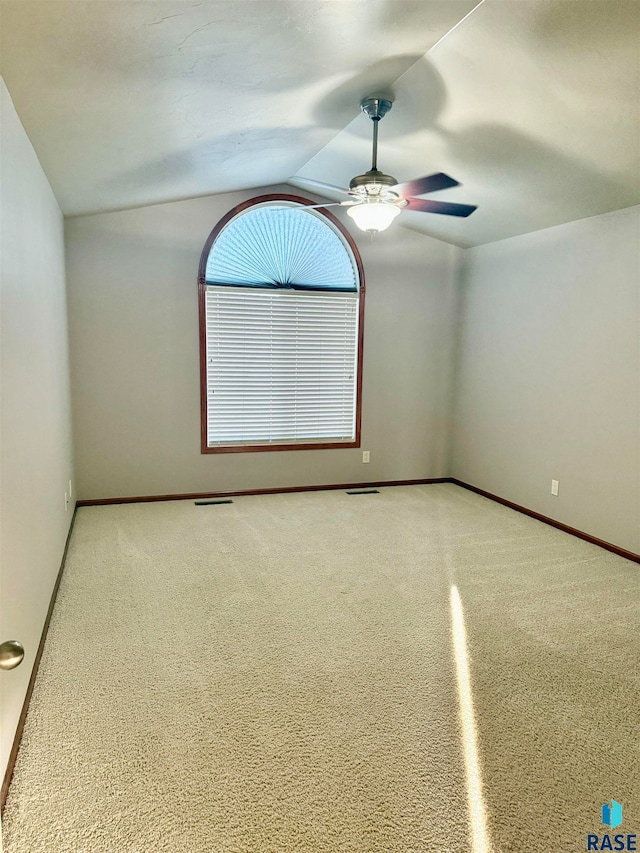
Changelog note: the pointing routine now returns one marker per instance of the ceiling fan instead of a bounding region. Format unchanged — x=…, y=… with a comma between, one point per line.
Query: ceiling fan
x=376, y=198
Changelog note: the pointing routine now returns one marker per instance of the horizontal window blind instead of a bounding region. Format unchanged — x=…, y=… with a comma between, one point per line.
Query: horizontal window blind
x=281, y=366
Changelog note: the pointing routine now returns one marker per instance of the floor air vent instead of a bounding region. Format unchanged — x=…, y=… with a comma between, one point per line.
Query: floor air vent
x=365, y=492
x=213, y=503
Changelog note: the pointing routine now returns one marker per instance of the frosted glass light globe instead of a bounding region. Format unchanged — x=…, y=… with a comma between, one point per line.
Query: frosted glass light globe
x=373, y=215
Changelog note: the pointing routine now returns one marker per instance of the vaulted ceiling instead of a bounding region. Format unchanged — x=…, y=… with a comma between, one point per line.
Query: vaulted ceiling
x=531, y=104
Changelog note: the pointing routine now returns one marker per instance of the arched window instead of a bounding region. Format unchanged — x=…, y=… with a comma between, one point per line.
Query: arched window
x=281, y=291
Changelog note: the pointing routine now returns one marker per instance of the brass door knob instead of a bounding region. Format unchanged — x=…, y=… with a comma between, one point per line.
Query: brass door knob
x=11, y=654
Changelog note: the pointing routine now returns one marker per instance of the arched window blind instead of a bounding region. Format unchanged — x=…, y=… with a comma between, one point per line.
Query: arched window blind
x=281, y=247
x=281, y=300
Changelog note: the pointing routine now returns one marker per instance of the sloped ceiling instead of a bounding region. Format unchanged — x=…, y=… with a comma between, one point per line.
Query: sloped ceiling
x=531, y=104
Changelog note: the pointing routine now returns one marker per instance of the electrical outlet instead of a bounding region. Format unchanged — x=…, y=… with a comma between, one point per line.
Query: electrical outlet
x=366, y=456
x=66, y=502
x=554, y=487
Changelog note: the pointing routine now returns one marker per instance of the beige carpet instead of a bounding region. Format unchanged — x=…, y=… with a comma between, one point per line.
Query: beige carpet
x=277, y=676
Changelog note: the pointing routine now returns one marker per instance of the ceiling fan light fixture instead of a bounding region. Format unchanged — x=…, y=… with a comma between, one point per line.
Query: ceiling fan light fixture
x=373, y=215
x=377, y=198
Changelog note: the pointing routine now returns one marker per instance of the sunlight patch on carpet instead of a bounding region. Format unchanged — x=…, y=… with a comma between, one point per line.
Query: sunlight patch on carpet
x=477, y=812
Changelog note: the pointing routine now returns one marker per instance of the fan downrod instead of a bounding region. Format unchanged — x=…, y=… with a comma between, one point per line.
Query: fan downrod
x=376, y=107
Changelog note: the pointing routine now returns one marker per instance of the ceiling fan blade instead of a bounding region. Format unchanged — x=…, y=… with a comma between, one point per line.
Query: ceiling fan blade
x=427, y=206
x=319, y=186
x=326, y=204
x=428, y=184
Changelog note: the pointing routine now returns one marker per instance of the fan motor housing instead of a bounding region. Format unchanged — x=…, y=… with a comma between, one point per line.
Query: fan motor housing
x=373, y=177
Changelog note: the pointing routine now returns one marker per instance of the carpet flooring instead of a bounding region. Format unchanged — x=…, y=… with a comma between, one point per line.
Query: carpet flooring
x=277, y=675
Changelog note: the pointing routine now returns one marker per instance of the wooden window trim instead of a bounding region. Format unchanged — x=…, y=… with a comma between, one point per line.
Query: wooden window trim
x=202, y=287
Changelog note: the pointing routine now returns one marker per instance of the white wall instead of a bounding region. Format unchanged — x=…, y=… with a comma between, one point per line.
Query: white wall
x=133, y=314
x=35, y=424
x=548, y=382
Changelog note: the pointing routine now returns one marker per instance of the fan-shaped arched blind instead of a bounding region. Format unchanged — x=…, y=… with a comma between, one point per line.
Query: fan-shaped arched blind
x=281, y=246
x=281, y=310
